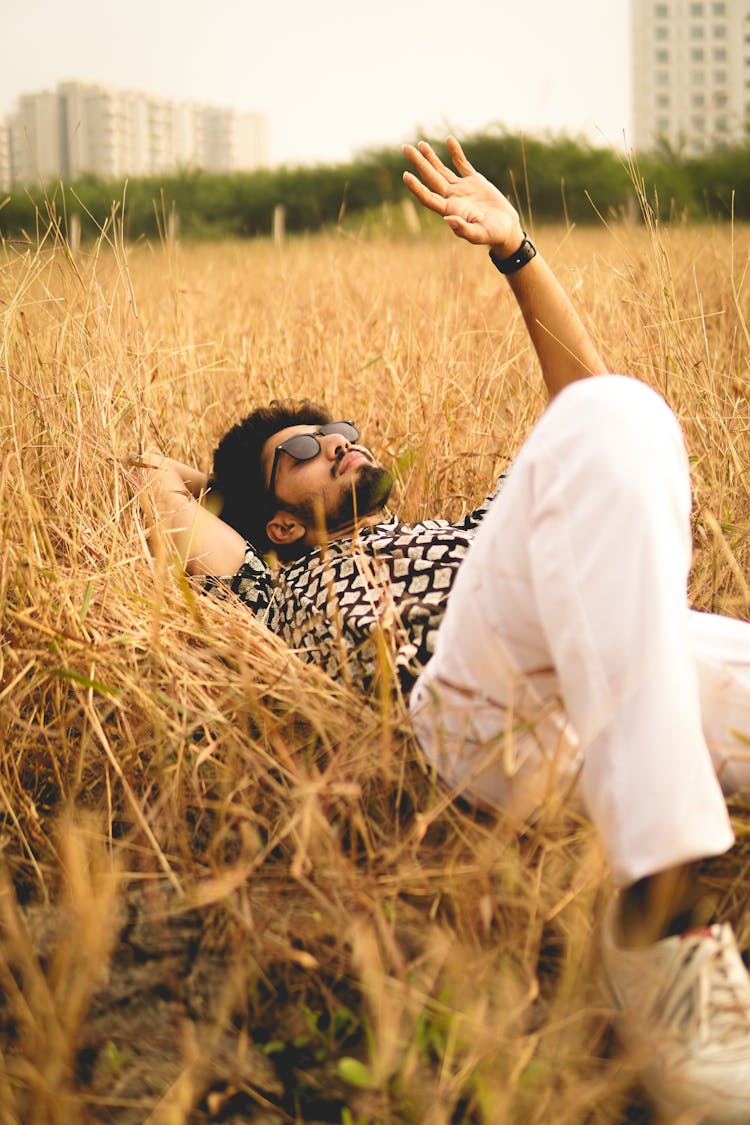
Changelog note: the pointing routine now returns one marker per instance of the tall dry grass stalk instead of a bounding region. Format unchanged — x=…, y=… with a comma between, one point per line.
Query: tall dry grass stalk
x=370, y=950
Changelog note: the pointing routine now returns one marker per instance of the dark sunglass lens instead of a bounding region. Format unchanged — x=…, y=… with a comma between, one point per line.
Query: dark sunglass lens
x=302, y=447
x=344, y=429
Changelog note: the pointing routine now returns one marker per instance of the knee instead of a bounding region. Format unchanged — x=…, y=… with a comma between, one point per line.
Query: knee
x=618, y=436
x=622, y=421
x=618, y=402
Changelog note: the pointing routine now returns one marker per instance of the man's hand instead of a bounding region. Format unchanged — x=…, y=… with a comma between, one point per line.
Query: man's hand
x=159, y=466
x=472, y=207
x=203, y=542
x=478, y=212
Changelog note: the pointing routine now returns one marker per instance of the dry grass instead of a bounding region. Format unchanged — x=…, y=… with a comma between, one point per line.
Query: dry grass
x=379, y=953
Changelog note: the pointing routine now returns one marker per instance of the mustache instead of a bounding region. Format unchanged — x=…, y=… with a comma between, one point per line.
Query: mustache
x=345, y=452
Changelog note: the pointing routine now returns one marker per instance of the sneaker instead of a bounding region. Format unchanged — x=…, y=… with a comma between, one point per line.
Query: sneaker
x=684, y=1009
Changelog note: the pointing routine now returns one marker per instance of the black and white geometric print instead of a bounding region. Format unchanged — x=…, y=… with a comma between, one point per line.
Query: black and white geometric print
x=367, y=607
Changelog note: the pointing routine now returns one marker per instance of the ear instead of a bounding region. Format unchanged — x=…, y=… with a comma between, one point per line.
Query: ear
x=283, y=529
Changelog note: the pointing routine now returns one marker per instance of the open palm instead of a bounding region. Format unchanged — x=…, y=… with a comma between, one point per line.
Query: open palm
x=472, y=207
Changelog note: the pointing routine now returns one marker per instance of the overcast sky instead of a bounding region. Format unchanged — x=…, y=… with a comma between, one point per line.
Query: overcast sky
x=338, y=76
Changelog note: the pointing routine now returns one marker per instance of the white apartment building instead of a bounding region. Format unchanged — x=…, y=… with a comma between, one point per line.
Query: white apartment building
x=690, y=64
x=34, y=131
x=82, y=127
x=234, y=137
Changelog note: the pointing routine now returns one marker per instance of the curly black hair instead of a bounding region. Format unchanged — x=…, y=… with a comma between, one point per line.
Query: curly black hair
x=237, y=472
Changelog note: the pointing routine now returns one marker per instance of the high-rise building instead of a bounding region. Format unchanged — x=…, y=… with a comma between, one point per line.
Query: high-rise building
x=35, y=150
x=82, y=127
x=690, y=74
x=229, y=139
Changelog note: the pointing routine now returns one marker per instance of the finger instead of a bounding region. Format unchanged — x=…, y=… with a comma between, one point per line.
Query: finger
x=429, y=174
x=429, y=165
x=458, y=157
x=429, y=153
x=430, y=199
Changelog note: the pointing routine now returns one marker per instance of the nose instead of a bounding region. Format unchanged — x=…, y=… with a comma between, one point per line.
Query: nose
x=334, y=445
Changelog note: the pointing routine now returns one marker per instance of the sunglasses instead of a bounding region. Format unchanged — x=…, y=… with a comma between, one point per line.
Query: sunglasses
x=303, y=447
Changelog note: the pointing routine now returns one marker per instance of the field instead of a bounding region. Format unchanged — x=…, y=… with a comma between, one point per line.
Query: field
x=230, y=890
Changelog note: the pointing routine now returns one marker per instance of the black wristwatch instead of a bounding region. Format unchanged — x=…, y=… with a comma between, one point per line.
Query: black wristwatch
x=523, y=255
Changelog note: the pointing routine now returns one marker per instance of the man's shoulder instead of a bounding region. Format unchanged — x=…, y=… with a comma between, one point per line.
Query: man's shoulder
x=254, y=562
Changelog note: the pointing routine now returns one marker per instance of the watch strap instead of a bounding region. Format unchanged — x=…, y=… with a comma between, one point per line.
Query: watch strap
x=523, y=255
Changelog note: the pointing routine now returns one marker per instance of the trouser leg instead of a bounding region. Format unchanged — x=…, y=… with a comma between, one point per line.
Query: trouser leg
x=575, y=587
x=720, y=647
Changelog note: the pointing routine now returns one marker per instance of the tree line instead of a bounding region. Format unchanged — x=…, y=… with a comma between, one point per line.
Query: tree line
x=555, y=179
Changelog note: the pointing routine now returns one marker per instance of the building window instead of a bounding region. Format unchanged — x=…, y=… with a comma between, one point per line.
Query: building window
x=698, y=100
x=720, y=31
x=661, y=11
x=696, y=10
x=699, y=124
x=696, y=54
x=720, y=8
x=661, y=31
x=720, y=54
x=697, y=77
x=696, y=31
x=661, y=56
x=662, y=78
x=662, y=101
x=662, y=124
x=720, y=77
x=721, y=124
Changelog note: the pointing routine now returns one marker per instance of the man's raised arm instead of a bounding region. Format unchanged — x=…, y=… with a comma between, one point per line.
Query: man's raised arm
x=203, y=542
x=478, y=212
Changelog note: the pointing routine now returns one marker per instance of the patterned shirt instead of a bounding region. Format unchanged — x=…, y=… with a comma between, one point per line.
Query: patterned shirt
x=364, y=607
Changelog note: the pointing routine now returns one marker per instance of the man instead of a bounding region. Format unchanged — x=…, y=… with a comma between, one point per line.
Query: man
x=569, y=584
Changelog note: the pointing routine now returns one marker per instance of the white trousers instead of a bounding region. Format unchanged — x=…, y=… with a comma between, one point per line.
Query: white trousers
x=568, y=647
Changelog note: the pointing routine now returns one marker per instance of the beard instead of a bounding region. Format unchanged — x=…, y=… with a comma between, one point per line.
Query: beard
x=368, y=495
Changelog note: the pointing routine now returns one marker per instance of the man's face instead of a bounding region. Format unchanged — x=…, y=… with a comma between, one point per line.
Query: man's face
x=339, y=482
